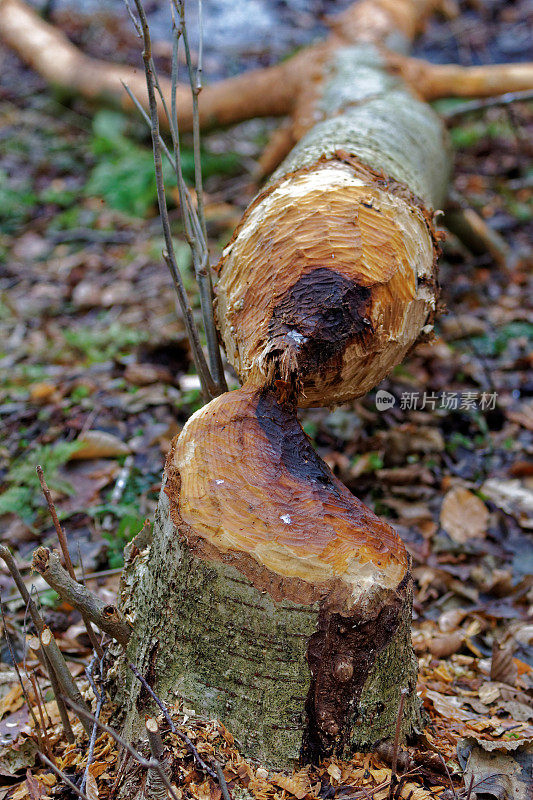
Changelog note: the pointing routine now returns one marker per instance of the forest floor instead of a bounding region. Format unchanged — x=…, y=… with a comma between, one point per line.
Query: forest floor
x=96, y=379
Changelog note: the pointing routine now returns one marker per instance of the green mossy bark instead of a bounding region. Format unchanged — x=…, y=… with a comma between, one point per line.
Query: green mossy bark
x=204, y=634
x=212, y=639
x=201, y=631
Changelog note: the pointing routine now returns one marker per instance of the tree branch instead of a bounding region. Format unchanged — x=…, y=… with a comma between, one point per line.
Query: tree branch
x=107, y=617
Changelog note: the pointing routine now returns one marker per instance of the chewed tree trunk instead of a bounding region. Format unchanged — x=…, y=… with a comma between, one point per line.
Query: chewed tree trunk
x=288, y=616
x=269, y=596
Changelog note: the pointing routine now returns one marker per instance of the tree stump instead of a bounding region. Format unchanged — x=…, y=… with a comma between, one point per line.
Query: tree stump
x=270, y=597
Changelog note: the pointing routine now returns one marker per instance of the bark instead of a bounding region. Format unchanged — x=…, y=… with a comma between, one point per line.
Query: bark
x=355, y=195
x=105, y=616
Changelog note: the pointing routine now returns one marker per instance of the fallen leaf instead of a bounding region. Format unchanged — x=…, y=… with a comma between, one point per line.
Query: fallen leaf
x=11, y=701
x=145, y=374
x=334, y=772
x=514, y=497
x=500, y=770
x=463, y=515
x=13, y=725
x=502, y=666
x=489, y=692
x=91, y=788
x=99, y=444
x=35, y=788
x=451, y=619
x=442, y=646
x=297, y=784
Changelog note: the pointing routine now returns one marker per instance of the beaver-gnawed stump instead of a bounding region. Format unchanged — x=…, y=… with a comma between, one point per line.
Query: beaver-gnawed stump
x=275, y=600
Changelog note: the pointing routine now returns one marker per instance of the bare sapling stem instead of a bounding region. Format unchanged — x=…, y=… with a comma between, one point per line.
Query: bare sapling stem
x=62, y=776
x=183, y=736
x=44, y=730
x=396, y=744
x=209, y=386
x=99, y=695
x=19, y=676
x=212, y=377
x=202, y=269
x=65, y=679
x=155, y=788
x=151, y=763
x=55, y=681
x=66, y=555
x=35, y=645
x=107, y=617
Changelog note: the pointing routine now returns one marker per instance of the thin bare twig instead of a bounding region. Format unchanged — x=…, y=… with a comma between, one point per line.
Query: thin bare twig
x=68, y=685
x=222, y=781
x=487, y=102
x=151, y=763
x=441, y=757
x=66, y=555
x=183, y=736
x=99, y=703
x=34, y=684
x=209, y=386
x=396, y=745
x=146, y=118
x=62, y=776
x=35, y=645
x=212, y=377
x=19, y=676
x=155, y=789
x=57, y=688
x=107, y=617
x=201, y=262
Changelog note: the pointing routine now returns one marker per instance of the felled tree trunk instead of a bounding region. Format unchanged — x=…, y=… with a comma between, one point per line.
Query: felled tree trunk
x=269, y=596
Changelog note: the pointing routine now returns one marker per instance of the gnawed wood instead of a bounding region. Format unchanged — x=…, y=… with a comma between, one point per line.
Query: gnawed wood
x=271, y=598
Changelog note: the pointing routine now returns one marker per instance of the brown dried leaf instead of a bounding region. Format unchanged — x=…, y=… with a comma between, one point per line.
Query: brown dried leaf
x=463, y=515
x=502, y=665
x=35, y=789
x=100, y=444
x=91, y=788
x=514, y=497
x=451, y=619
x=442, y=646
x=297, y=785
x=11, y=701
